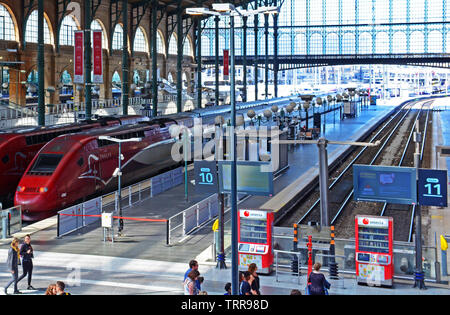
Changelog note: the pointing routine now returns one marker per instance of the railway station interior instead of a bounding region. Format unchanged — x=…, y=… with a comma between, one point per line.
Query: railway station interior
x=300, y=137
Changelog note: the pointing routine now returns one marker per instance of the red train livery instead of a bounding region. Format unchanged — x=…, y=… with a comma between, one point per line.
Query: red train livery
x=72, y=168
x=19, y=145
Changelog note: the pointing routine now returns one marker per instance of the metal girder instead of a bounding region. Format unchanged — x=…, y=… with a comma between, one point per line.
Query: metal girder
x=115, y=12
x=95, y=5
x=61, y=13
x=27, y=8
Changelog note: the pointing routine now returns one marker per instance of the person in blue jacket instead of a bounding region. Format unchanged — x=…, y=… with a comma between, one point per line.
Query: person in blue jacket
x=12, y=263
x=193, y=265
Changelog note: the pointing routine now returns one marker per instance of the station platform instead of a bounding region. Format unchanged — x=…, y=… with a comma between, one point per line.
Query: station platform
x=437, y=222
x=139, y=262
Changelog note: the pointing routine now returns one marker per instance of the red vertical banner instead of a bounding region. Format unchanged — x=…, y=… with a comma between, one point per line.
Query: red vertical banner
x=97, y=57
x=226, y=64
x=79, y=58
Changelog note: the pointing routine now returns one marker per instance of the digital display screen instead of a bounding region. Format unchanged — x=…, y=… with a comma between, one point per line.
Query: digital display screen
x=260, y=249
x=244, y=247
x=385, y=184
x=363, y=257
x=383, y=259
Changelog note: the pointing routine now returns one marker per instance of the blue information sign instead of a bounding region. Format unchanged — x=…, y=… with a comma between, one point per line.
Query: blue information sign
x=385, y=184
x=432, y=187
x=205, y=176
x=250, y=179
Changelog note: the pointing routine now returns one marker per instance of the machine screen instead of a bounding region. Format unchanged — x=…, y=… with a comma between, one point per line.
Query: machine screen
x=244, y=247
x=363, y=257
x=260, y=249
x=383, y=259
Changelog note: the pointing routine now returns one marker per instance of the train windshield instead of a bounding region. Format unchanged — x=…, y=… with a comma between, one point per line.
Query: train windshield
x=46, y=163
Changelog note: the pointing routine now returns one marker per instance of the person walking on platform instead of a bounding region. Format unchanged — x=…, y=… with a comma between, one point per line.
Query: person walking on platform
x=60, y=287
x=190, y=287
x=255, y=283
x=246, y=285
x=26, y=252
x=13, y=262
x=319, y=285
x=193, y=265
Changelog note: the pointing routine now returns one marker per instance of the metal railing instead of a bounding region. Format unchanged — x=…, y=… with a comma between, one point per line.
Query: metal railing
x=78, y=216
x=11, y=221
x=191, y=219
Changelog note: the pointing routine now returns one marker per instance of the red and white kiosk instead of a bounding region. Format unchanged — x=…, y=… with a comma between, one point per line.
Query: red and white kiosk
x=374, y=250
x=255, y=239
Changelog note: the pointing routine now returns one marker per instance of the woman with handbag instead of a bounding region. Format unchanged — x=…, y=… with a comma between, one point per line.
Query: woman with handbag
x=317, y=284
x=13, y=263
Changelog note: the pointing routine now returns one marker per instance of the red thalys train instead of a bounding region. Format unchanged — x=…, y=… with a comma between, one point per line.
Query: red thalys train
x=19, y=145
x=71, y=168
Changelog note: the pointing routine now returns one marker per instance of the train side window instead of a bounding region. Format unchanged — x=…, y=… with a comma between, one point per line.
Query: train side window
x=5, y=159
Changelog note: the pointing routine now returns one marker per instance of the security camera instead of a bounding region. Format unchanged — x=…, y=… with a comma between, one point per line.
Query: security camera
x=117, y=172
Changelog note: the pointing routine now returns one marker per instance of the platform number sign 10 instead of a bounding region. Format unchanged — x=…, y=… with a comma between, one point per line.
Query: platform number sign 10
x=205, y=176
x=432, y=187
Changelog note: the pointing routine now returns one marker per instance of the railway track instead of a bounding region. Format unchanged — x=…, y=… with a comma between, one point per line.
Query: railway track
x=395, y=136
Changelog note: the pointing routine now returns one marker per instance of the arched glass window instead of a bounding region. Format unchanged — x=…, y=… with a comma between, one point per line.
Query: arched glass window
x=399, y=43
x=348, y=44
x=31, y=33
x=96, y=26
x=300, y=44
x=66, y=34
x=7, y=31
x=316, y=44
x=382, y=43
x=332, y=44
x=117, y=42
x=173, y=48
x=417, y=42
x=187, y=49
x=435, y=42
x=365, y=43
x=159, y=44
x=140, y=41
x=284, y=45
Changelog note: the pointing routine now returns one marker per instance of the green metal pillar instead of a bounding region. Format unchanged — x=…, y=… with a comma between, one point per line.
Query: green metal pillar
x=275, y=55
x=41, y=91
x=256, y=53
x=179, y=60
x=88, y=57
x=266, y=59
x=216, y=43
x=154, y=60
x=244, y=55
x=199, y=63
x=125, y=61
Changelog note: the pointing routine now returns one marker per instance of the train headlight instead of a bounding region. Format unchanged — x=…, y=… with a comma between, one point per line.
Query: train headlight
x=20, y=188
x=43, y=189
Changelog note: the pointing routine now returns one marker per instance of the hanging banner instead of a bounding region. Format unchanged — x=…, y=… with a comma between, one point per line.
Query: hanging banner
x=97, y=53
x=79, y=58
x=226, y=64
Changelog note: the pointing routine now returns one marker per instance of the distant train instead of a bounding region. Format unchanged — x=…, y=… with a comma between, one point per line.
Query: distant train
x=19, y=145
x=74, y=167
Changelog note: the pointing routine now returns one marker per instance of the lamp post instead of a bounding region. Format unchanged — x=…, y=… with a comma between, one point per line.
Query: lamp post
x=227, y=9
x=118, y=172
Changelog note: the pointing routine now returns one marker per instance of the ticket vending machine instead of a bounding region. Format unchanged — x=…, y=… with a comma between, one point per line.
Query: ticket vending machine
x=374, y=250
x=255, y=239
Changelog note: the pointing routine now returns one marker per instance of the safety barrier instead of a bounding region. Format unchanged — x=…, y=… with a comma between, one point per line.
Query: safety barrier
x=283, y=264
x=190, y=219
x=83, y=214
x=11, y=221
x=79, y=216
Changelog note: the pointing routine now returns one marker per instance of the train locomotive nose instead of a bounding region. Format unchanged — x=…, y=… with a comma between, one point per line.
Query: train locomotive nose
x=34, y=206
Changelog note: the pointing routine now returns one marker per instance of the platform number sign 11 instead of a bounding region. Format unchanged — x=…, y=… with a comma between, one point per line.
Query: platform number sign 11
x=205, y=176
x=432, y=187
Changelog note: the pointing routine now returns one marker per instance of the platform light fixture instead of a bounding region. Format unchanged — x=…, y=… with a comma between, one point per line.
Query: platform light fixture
x=118, y=171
